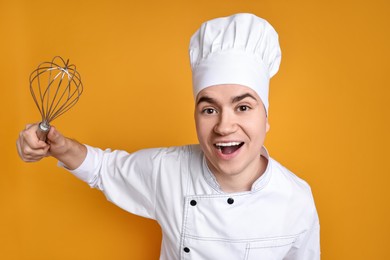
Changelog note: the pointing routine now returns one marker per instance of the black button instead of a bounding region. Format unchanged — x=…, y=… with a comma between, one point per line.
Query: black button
x=193, y=202
x=230, y=200
x=186, y=249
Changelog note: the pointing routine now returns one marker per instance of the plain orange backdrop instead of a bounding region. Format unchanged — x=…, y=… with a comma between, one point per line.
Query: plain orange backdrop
x=329, y=115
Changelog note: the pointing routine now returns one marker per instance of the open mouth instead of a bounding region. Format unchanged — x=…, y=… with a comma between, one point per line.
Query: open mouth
x=228, y=148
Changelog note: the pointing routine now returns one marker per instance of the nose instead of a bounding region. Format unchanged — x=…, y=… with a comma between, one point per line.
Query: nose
x=226, y=124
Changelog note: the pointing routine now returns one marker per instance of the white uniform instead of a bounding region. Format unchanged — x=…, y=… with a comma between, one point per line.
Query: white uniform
x=277, y=219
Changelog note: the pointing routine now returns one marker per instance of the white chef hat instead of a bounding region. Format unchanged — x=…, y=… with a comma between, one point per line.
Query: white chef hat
x=239, y=49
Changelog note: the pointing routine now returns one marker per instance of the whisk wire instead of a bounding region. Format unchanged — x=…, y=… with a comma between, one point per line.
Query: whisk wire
x=55, y=101
x=60, y=93
x=64, y=105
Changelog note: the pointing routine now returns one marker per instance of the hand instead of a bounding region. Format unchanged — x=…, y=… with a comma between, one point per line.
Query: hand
x=66, y=150
x=30, y=148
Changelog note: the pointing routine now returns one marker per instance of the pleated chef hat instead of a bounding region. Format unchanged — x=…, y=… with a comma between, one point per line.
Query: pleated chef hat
x=239, y=49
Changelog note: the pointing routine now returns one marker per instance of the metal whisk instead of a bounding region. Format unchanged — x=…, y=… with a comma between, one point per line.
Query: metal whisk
x=55, y=87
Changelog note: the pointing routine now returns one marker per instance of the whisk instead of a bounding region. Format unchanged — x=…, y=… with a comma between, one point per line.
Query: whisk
x=55, y=87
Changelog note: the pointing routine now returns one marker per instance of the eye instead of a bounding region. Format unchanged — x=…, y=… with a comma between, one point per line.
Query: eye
x=209, y=111
x=243, y=108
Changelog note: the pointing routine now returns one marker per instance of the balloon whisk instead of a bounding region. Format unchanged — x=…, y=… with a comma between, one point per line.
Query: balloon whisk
x=55, y=87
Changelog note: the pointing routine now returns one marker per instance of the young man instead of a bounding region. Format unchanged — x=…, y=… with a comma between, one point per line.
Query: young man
x=222, y=199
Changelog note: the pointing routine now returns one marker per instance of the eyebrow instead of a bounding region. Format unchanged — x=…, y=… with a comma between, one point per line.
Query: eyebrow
x=206, y=99
x=234, y=99
x=241, y=97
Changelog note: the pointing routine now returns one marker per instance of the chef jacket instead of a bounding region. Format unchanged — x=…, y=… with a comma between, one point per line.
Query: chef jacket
x=276, y=219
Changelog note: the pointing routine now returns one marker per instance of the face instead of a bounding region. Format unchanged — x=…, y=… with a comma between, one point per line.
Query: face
x=231, y=124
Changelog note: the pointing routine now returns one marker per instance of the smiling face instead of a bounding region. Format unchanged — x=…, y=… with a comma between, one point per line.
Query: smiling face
x=231, y=124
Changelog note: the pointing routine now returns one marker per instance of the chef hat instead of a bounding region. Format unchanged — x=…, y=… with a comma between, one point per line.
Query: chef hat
x=239, y=49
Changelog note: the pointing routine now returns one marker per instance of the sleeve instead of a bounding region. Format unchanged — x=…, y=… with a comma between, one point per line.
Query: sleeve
x=307, y=246
x=127, y=180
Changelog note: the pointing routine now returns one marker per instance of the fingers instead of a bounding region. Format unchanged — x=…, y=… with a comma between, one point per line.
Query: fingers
x=29, y=147
x=29, y=155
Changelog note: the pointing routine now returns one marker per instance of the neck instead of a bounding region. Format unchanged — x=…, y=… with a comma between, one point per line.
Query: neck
x=242, y=181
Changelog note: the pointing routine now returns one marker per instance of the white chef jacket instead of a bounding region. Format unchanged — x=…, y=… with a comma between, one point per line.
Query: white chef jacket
x=275, y=220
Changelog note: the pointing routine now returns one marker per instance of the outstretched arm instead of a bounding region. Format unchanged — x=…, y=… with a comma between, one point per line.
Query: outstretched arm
x=70, y=152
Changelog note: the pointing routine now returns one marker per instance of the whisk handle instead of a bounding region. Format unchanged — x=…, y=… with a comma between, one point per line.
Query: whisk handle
x=42, y=131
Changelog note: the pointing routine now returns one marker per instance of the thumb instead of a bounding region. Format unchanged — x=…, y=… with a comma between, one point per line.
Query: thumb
x=57, y=142
x=54, y=137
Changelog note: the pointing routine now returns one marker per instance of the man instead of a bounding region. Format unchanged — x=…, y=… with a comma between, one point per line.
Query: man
x=224, y=198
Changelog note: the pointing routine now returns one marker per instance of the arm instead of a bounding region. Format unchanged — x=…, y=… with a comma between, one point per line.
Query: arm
x=127, y=180
x=70, y=152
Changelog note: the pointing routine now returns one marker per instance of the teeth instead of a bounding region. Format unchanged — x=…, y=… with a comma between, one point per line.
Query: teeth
x=228, y=144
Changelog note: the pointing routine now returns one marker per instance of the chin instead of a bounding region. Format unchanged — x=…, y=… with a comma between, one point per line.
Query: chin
x=227, y=168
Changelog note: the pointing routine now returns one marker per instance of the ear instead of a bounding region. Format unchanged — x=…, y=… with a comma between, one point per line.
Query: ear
x=267, y=126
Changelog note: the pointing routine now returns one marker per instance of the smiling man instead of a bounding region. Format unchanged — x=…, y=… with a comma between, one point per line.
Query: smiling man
x=231, y=124
x=225, y=198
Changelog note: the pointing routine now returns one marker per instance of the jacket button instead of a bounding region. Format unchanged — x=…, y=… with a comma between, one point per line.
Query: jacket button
x=230, y=200
x=186, y=249
x=193, y=202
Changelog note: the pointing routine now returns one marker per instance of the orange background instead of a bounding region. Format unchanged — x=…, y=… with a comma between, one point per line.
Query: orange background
x=329, y=115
